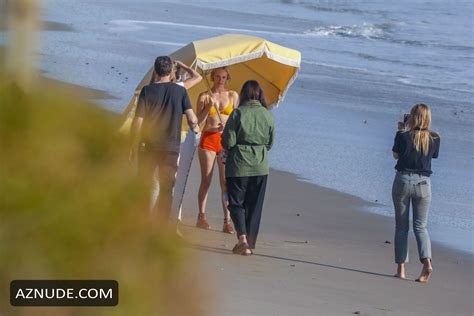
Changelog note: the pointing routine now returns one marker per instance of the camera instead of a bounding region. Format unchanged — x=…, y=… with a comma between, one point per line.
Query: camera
x=177, y=71
x=403, y=125
x=406, y=117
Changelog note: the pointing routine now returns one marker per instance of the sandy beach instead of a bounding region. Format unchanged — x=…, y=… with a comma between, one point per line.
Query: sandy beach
x=319, y=254
x=320, y=251
x=363, y=66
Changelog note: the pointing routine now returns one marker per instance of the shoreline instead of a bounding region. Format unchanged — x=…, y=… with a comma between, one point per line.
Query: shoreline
x=95, y=95
x=318, y=252
x=445, y=231
x=312, y=252
x=114, y=59
x=443, y=236
x=450, y=234
x=361, y=205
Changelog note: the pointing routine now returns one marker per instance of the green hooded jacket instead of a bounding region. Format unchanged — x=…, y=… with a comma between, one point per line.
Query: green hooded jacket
x=248, y=136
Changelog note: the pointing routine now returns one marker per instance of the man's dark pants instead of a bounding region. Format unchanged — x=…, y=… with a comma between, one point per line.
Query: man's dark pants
x=163, y=165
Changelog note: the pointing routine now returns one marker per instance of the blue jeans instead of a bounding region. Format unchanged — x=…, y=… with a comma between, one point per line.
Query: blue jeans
x=414, y=188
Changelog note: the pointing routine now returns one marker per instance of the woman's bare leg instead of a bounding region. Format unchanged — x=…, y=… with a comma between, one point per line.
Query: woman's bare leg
x=206, y=161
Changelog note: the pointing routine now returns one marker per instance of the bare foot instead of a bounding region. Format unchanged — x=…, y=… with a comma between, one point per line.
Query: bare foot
x=425, y=274
x=247, y=252
x=400, y=272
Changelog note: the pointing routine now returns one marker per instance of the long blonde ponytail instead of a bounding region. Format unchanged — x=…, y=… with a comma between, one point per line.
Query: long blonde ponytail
x=419, y=127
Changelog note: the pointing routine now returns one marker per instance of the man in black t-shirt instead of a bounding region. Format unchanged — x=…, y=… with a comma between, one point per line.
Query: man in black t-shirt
x=156, y=131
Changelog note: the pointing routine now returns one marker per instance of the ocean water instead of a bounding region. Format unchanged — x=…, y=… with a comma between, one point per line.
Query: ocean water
x=364, y=64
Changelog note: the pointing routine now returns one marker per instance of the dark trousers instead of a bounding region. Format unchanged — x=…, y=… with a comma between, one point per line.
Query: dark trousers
x=246, y=195
x=162, y=165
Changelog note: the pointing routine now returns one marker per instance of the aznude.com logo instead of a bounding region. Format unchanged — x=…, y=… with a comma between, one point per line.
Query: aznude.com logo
x=64, y=293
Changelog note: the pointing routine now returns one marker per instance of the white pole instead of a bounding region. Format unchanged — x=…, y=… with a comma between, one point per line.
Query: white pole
x=22, y=25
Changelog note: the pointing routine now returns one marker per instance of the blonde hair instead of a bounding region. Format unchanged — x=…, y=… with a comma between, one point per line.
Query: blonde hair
x=213, y=72
x=419, y=127
x=173, y=73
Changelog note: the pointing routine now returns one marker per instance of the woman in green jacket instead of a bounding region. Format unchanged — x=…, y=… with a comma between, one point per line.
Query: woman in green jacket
x=247, y=137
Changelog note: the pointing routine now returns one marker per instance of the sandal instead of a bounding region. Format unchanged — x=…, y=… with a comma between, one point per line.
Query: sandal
x=202, y=222
x=239, y=249
x=227, y=228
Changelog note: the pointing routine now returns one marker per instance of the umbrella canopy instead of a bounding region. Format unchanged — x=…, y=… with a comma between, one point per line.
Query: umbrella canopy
x=247, y=57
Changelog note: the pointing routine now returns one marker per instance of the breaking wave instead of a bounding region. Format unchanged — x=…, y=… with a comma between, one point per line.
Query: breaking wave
x=366, y=30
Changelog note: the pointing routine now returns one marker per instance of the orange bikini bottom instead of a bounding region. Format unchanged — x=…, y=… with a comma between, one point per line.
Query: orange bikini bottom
x=211, y=141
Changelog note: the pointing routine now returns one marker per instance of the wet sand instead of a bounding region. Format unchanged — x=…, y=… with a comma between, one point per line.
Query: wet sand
x=319, y=254
x=87, y=93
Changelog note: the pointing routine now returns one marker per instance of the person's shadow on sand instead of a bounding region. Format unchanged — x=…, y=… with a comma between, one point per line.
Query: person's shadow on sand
x=227, y=252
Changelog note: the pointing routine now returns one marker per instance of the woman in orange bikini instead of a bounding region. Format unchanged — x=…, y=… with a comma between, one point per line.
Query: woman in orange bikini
x=210, y=146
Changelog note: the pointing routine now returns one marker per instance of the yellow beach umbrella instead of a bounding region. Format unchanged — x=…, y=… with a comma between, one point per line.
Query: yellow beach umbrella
x=247, y=57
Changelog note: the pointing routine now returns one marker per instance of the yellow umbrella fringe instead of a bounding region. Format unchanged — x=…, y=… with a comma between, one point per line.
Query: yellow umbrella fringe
x=281, y=97
x=255, y=55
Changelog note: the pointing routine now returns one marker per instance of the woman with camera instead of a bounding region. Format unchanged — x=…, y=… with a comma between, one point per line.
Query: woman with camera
x=414, y=147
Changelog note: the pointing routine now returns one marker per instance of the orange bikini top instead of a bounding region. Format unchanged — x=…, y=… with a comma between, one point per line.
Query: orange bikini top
x=226, y=111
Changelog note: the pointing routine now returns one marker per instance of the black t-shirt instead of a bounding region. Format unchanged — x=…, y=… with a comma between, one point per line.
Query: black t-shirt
x=162, y=106
x=411, y=160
